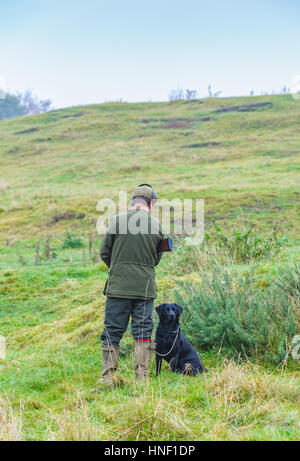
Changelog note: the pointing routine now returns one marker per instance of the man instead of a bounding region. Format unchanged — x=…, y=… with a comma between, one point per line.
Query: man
x=129, y=248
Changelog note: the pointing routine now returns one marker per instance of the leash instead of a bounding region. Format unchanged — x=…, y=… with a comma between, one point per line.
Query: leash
x=164, y=355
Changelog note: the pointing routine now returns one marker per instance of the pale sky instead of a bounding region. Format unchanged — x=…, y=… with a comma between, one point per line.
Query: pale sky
x=80, y=52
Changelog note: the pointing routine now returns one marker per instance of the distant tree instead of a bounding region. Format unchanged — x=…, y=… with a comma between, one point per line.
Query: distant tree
x=10, y=106
x=252, y=93
x=211, y=94
x=191, y=94
x=285, y=90
x=22, y=104
x=176, y=94
x=33, y=104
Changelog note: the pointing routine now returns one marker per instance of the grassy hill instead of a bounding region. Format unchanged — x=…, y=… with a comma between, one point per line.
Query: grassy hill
x=242, y=156
x=238, y=154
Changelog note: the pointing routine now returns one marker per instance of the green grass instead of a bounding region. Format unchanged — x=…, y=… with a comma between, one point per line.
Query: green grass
x=52, y=313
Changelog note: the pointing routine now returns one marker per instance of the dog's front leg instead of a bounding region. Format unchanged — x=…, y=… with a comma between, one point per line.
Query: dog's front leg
x=158, y=364
x=174, y=364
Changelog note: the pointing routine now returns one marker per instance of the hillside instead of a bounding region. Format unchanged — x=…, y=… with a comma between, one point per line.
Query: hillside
x=239, y=154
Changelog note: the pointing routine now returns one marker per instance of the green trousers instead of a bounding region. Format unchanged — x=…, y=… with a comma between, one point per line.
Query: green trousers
x=118, y=312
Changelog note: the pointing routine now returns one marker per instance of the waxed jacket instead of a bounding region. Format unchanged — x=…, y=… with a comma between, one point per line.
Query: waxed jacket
x=129, y=248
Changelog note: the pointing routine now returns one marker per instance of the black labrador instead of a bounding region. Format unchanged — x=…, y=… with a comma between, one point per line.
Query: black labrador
x=172, y=346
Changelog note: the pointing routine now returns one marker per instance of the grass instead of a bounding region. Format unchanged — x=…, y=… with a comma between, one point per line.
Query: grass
x=246, y=167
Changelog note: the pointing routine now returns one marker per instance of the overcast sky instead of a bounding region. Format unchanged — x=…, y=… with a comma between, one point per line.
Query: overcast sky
x=91, y=51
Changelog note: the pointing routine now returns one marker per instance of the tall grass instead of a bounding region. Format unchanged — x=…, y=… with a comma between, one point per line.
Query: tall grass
x=289, y=280
x=234, y=402
x=74, y=424
x=10, y=424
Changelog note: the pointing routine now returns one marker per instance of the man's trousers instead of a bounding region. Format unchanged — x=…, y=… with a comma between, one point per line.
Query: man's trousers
x=118, y=312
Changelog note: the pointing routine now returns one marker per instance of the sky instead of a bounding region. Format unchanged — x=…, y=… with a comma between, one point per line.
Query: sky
x=93, y=51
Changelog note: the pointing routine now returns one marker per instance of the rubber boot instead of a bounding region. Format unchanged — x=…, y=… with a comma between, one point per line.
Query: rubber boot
x=110, y=358
x=142, y=359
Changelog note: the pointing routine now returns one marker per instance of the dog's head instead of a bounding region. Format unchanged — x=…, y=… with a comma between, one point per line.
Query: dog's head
x=169, y=313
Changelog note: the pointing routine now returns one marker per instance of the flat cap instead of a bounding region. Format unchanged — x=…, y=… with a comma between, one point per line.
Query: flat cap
x=144, y=191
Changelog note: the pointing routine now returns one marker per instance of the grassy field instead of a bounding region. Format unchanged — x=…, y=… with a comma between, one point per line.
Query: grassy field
x=241, y=155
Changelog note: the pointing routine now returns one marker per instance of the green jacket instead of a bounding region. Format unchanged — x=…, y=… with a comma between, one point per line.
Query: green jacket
x=131, y=255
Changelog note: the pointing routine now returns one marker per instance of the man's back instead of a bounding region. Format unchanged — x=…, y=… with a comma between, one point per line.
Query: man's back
x=129, y=248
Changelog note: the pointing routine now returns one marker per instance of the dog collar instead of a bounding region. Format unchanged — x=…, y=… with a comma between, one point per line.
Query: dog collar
x=168, y=331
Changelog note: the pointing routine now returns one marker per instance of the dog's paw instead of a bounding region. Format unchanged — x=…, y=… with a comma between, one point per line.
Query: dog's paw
x=189, y=369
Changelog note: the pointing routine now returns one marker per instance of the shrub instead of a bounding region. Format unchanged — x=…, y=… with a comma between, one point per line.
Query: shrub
x=72, y=242
x=245, y=245
x=235, y=314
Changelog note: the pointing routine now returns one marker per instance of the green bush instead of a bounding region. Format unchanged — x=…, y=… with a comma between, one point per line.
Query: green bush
x=72, y=242
x=235, y=314
x=245, y=245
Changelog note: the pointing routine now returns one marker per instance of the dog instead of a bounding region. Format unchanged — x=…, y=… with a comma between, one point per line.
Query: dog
x=172, y=346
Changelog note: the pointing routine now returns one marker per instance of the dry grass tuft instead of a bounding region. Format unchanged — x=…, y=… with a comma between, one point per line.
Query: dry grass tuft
x=149, y=416
x=241, y=383
x=247, y=398
x=75, y=425
x=10, y=424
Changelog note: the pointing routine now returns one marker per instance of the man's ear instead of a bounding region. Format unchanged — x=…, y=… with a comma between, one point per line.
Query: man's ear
x=159, y=308
x=179, y=309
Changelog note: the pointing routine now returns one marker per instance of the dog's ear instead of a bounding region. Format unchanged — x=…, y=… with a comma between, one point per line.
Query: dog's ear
x=160, y=308
x=179, y=309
